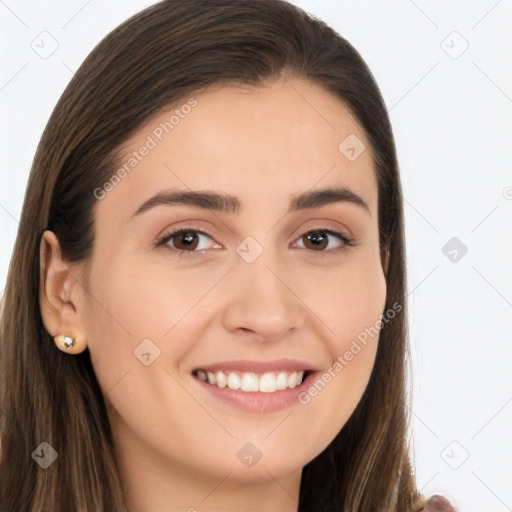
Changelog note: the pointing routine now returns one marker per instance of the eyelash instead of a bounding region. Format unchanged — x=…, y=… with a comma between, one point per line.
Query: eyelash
x=346, y=240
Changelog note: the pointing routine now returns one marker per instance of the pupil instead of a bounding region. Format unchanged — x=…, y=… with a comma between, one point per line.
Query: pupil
x=317, y=238
x=187, y=239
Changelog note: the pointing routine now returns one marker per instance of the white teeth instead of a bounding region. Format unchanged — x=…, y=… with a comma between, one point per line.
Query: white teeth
x=222, y=381
x=268, y=383
x=292, y=380
x=282, y=381
x=248, y=381
x=233, y=381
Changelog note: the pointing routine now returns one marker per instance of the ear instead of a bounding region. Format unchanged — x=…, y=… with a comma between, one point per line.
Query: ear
x=58, y=296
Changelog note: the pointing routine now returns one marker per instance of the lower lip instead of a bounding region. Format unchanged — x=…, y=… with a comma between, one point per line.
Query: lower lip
x=258, y=401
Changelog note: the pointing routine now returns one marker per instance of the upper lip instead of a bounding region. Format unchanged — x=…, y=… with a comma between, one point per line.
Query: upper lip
x=259, y=366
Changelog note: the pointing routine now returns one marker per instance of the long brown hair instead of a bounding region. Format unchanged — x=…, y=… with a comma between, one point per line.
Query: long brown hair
x=166, y=53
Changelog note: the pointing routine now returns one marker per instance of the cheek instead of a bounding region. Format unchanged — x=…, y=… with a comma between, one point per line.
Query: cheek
x=351, y=306
x=347, y=299
x=350, y=303
x=360, y=298
x=128, y=307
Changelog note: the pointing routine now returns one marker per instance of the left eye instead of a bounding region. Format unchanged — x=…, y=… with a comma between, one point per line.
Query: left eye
x=319, y=238
x=185, y=241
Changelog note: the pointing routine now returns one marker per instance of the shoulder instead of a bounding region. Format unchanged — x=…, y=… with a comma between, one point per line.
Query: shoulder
x=438, y=503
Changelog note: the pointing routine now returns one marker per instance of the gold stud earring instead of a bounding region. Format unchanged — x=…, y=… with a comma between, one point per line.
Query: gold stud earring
x=66, y=341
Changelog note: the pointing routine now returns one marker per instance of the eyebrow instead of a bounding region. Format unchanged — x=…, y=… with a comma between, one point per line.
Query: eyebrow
x=229, y=204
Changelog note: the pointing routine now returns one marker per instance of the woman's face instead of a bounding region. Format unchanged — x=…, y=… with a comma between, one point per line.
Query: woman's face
x=263, y=285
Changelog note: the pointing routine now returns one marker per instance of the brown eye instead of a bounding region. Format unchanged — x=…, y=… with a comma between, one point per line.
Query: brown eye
x=316, y=240
x=185, y=240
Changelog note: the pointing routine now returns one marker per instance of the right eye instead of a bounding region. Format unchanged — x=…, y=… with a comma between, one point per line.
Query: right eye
x=184, y=241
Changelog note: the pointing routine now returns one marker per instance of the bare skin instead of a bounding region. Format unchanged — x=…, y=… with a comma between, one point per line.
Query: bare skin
x=176, y=444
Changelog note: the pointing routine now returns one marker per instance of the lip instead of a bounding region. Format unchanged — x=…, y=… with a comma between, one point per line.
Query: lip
x=258, y=401
x=290, y=365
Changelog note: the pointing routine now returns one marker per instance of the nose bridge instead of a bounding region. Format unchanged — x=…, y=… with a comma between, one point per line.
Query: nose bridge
x=260, y=299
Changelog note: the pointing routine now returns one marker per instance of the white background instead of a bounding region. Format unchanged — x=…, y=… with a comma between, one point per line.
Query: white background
x=452, y=120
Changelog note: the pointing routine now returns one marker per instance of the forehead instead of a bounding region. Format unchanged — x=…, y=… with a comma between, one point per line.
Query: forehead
x=268, y=142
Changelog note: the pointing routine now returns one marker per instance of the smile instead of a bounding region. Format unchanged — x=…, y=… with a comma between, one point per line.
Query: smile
x=268, y=382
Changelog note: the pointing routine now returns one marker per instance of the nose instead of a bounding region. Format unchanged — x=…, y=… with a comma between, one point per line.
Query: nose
x=261, y=301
